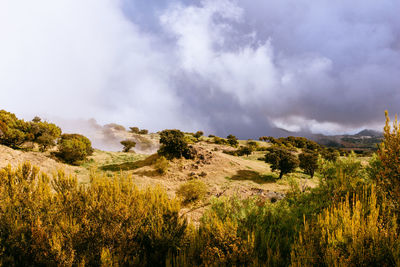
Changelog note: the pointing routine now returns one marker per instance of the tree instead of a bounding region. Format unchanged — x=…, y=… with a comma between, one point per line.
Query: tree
x=45, y=141
x=330, y=154
x=311, y=145
x=389, y=155
x=36, y=119
x=220, y=141
x=253, y=145
x=45, y=134
x=198, y=134
x=232, y=140
x=13, y=131
x=143, y=131
x=282, y=160
x=309, y=162
x=74, y=148
x=245, y=150
x=128, y=145
x=134, y=130
x=174, y=145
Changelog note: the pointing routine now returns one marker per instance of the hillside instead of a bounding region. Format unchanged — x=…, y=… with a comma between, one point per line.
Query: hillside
x=224, y=175
x=43, y=160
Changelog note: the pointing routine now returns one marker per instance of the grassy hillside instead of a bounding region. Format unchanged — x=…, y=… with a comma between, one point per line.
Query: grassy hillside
x=198, y=201
x=223, y=174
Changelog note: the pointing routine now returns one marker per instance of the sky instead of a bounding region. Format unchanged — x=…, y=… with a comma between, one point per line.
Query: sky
x=222, y=66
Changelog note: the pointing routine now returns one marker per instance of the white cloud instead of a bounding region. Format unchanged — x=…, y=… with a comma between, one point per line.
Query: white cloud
x=82, y=59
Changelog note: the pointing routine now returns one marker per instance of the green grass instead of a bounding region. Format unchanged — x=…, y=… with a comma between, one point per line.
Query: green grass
x=255, y=156
x=260, y=178
x=101, y=159
x=132, y=164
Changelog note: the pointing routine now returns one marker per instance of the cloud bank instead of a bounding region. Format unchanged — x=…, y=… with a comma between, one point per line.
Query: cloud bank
x=223, y=66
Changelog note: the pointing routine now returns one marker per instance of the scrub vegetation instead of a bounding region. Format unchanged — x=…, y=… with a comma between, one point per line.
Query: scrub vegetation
x=308, y=206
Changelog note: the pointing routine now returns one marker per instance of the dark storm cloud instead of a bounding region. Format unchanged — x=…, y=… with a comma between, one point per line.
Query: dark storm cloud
x=241, y=67
x=359, y=38
x=333, y=63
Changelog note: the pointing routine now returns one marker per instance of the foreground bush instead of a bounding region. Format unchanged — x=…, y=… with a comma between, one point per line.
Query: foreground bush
x=161, y=165
x=235, y=232
x=73, y=148
x=389, y=156
x=192, y=190
x=357, y=232
x=56, y=222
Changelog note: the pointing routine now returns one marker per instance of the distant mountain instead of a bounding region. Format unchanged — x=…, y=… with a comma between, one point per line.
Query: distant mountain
x=368, y=132
x=366, y=139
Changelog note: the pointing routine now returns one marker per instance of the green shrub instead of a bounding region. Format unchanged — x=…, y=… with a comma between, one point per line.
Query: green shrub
x=245, y=150
x=116, y=127
x=232, y=140
x=220, y=141
x=309, y=162
x=192, y=191
x=161, y=165
x=253, y=145
x=282, y=160
x=134, y=130
x=374, y=168
x=327, y=168
x=357, y=232
x=236, y=232
x=330, y=155
x=389, y=155
x=45, y=134
x=143, y=131
x=73, y=148
x=15, y=132
x=198, y=134
x=174, y=145
x=220, y=244
x=190, y=139
x=60, y=223
x=128, y=145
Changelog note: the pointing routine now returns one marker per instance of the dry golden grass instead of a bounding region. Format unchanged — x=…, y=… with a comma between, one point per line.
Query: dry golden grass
x=43, y=160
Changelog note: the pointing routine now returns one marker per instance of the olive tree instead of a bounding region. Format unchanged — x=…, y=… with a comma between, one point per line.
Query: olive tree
x=174, y=145
x=282, y=160
x=309, y=162
x=128, y=145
